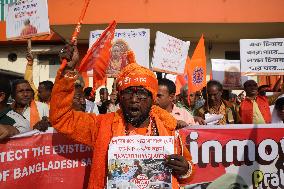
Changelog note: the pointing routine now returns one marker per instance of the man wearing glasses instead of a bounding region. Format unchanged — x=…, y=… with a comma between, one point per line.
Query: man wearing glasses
x=137, y=90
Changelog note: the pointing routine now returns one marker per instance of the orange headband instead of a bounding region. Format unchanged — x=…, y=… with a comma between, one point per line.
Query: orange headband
x=136, y=75
x=145, y=81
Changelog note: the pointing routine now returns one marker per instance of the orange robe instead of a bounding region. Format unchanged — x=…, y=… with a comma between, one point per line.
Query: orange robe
x=246, y=110
x=97, y=131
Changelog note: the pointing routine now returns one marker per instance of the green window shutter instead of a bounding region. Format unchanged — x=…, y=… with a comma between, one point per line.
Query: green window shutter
x=3, y=3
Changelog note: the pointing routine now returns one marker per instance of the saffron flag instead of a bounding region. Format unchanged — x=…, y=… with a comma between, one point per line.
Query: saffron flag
x=196, y=69
x=182, y=80
x=85, y=78
x=97, y=57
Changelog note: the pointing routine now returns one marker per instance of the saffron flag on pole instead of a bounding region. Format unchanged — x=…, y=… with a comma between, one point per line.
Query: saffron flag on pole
x=76, y=31
x=181, y=80
x=196, y=69
x=97, y=57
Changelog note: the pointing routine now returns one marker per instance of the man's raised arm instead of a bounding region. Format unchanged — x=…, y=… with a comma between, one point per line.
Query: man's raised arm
x=80, y=126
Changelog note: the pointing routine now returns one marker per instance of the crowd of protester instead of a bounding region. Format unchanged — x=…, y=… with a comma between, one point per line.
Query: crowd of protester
x=153, y=107
x=30, y=105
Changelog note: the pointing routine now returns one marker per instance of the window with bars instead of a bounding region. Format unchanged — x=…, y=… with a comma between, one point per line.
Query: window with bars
x=50, y=59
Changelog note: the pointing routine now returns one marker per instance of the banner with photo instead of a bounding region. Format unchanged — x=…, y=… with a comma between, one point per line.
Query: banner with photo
x=138, y=162
x=236, y=156
x=137, y=40
x=169, y=54
x=228, y=73
x=262, y=56
x=26, y=19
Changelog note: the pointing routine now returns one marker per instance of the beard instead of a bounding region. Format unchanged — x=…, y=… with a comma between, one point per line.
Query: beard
x=136, y=121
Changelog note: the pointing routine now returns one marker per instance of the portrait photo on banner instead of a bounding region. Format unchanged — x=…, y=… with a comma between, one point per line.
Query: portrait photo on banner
x=26, y=19
x=228, y=72
x=136, y=40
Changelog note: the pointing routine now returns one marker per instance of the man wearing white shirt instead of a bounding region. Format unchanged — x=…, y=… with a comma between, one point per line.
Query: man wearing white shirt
x=23, y=95
x=11, y=123
x=91, y=107
x=43, y=110
x=165, y=99
x=278, y=111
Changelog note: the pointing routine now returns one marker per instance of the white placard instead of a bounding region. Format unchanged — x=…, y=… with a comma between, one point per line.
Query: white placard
x=227, y=72
x=262, y=56
x=137, y=40
x=27, y=18
x=169, y=54
x=138, y=161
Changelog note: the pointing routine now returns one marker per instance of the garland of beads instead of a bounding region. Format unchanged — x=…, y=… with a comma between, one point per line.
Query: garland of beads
x=152, y=128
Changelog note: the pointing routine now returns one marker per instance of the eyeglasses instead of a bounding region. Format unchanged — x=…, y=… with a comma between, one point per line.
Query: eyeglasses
x=141, y=93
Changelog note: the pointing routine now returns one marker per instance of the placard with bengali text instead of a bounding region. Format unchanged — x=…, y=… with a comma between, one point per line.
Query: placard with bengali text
x=262, y=56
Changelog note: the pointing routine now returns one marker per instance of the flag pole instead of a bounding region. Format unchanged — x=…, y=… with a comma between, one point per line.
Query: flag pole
x=77, y=30
x=207, y=105
x=29, y=45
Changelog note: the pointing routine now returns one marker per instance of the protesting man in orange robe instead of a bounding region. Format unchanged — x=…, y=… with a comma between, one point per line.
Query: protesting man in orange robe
x=137, y=89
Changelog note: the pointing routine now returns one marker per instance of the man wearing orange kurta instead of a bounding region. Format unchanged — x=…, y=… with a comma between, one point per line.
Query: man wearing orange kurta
x=254, y=109
x=137, y=87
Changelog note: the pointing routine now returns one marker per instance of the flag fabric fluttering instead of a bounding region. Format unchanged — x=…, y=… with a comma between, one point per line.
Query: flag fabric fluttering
x=196, y=69
x=77, y=30
x=182, y=80
x=97, y=57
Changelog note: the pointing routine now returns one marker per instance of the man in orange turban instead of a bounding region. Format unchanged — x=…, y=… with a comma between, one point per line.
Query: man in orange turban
x=137, y=89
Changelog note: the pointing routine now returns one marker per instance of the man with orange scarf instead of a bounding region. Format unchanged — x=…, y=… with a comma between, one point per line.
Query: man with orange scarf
x=137, y=87
x=35, y=112
x=254, y=109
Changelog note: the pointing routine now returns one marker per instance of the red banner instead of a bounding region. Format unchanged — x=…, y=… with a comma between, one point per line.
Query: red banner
x=46, y=161
x=249, y=156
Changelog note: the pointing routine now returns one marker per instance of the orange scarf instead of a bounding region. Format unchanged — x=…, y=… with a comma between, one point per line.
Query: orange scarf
x=166, y=127
x=118, y=126
x=246, y=110
x=34, y=114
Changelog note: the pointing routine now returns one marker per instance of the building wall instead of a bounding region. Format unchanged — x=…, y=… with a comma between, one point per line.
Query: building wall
x=167, y=11
x=41, y=70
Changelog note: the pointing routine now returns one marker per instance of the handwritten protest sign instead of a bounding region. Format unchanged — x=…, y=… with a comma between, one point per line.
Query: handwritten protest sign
x=169, y=54
x=262, y=56
x=228, y=72
x=27, y=18
x=138, y=162
x=137, y=40
x=247, y=156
